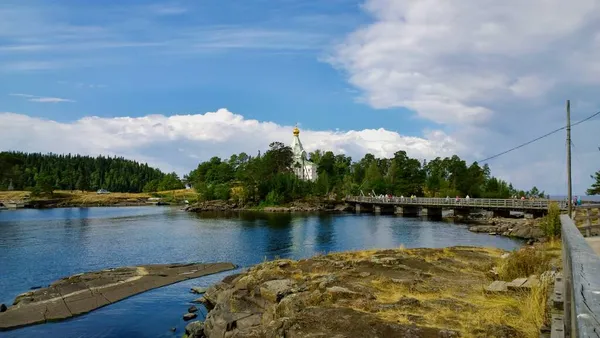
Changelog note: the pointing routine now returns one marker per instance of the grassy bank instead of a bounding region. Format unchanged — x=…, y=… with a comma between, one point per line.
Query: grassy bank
x=63, y=198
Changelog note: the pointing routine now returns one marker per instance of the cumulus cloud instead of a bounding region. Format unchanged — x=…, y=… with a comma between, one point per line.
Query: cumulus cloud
x=179, y=142
x=42, y=99
x=495, y=74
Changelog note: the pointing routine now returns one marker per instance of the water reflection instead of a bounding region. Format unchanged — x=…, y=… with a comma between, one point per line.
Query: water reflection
x=325, y=234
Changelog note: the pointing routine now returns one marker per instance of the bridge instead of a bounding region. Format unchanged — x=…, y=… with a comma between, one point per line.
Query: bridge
x=426, y=206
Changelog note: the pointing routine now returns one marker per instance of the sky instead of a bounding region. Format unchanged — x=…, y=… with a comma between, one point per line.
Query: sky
x=175, y=83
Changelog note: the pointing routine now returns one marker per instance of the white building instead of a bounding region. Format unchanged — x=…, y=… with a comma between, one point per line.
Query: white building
x=303, y=168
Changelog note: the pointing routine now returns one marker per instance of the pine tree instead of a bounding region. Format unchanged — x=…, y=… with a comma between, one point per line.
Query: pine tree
x=595, y=188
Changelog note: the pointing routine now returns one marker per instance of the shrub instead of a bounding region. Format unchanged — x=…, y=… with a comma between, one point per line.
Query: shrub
x=273, y=198
x=550, y=224
x=523, y=263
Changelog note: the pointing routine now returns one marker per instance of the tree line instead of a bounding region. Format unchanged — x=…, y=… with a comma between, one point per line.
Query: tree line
x=268, y=179
x=44, y=173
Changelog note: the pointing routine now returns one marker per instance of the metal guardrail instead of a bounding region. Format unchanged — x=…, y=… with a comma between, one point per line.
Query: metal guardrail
x=513, y=204
x=582, y=283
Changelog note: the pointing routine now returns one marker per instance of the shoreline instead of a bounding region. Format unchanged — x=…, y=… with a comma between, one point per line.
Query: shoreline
x=518, y=228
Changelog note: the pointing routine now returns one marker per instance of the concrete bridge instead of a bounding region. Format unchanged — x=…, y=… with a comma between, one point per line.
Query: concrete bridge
x=425, y=206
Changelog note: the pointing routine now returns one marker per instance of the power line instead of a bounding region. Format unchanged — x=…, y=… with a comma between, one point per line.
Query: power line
x=538, y=138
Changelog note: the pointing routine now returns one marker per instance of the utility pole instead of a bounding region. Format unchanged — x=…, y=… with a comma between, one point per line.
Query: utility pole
x=569, y=158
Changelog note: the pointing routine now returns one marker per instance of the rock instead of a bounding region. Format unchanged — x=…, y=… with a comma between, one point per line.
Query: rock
x=338, y=292
x=447, y=334
x=173, y=329
x=364, y=274
x=195, y=329
x=3, y=308
x=496, y=286
x=192, y=309
x=274, y=290
x=199, y=290
x=189, y=316
x=200, y=300
x=505, y=255
x=483, y=228
x=526, y=231
x=283, y=264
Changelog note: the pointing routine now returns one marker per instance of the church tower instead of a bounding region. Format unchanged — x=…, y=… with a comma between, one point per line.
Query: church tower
x=303, y=168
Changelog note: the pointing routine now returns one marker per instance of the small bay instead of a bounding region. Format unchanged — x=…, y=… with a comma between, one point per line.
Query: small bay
x=38, y=247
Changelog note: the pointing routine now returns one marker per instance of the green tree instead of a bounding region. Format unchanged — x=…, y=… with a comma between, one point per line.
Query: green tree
x=44, y=183
x=82, y=183
x=595, y=188
x=170, y=182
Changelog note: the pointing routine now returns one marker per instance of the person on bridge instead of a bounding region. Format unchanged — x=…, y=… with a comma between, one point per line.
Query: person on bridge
x=447, y=199
x=578, y=200
x=467, y=198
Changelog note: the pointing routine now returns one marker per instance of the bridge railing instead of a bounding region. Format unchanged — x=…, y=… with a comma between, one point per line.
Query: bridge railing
x=471, y=202
x=582, y=283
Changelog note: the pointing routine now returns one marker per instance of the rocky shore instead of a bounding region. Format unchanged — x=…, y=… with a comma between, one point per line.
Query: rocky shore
x=297, y=206
x=528, y=229
x=386, y=293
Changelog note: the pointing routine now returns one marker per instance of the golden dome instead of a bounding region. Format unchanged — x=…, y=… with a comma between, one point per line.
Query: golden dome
x=296, y=131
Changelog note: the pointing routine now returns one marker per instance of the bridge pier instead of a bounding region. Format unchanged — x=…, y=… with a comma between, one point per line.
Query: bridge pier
x=431, y=212
x=503, y=213
x=463, y=212
x=534, y=214
x=406, y=211
x=363, y=208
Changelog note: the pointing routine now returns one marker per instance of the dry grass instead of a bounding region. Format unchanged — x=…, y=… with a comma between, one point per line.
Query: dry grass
x=14, y=195
x=587, y=212
x=469, y=311
x=91, y=197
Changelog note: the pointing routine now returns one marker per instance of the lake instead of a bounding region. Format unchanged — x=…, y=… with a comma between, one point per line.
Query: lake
x=41, y=246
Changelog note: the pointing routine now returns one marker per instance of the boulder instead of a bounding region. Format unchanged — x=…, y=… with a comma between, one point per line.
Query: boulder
x=274, y=290
x=3, y=308
x=526, y=231
x=338, y=292
x=195, y=329
x=192, y=309
x=199, y=290
x=364, y=274
x=189, y=316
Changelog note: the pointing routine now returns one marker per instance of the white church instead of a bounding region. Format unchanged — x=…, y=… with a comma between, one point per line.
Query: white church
x=303, y=168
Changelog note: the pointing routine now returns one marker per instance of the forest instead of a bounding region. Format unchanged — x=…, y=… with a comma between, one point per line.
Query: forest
x=267, y=178
x=44, y=173
x=262, y=179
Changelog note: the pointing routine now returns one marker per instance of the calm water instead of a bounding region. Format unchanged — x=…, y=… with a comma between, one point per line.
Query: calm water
x=40, y=246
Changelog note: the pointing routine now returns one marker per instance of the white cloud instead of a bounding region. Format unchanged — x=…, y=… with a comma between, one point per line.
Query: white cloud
x=42, y=99
x=167, y=9
x=178, y=142
x=494, y=74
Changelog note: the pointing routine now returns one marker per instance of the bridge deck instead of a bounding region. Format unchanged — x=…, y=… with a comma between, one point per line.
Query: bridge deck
x=486, y=203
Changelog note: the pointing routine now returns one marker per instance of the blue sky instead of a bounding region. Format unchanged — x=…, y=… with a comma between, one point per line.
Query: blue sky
x=137, y=58
x=173, y=83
